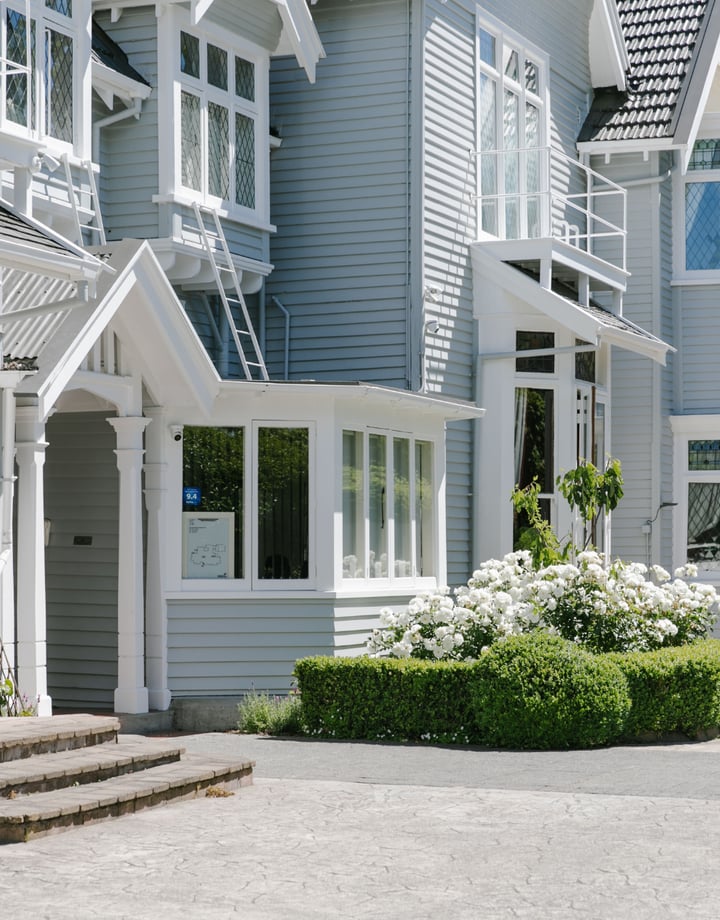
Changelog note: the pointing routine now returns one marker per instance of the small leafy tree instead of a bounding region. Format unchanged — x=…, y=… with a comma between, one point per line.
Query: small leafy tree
x=591, y=492
x=587, y=490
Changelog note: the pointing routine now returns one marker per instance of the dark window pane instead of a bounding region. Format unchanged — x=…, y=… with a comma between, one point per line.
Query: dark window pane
x=244, y=160
x=584, y=364
x=705, y=155
x=283, y=503
x=59, y=85
x=189, y=54
x=217, y=67
x=244, y=79
x=529, y=341
x=60, y=6
x=213, y=480
x=534, y=438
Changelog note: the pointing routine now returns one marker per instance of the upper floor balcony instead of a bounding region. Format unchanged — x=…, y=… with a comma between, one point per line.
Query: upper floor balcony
x=555, y=218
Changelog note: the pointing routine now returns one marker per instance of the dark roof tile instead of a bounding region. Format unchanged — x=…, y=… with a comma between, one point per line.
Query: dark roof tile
x=660, y=37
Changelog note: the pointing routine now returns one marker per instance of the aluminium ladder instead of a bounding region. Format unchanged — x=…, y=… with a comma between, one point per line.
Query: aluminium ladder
x=215, y=244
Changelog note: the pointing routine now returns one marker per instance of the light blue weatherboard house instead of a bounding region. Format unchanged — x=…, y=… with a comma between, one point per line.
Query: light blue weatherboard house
x=264, y=264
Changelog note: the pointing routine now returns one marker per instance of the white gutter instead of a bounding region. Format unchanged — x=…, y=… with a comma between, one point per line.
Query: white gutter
x=131, y=111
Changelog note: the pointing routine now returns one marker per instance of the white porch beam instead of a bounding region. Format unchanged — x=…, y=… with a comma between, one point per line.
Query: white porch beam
x=31, y=612
x=131, y=694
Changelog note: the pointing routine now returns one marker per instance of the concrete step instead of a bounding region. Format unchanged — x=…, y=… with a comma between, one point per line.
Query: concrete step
x=80, y=766
x=39, y=813
x=24, y=737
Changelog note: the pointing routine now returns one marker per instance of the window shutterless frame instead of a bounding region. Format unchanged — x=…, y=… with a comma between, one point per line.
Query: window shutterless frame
x=278, y=565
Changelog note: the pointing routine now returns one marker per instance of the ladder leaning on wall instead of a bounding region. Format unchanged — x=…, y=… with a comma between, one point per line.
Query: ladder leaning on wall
x=216, y=246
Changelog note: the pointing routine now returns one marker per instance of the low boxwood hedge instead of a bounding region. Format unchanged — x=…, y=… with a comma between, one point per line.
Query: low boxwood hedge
x=541, y=691
x=532, y=691
x=386, y=699
x=673, y=689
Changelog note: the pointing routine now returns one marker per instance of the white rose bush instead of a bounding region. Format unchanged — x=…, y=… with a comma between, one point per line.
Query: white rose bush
x=617, y=608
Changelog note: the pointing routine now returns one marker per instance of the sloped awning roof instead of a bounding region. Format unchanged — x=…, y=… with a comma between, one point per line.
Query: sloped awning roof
x=590, y=323
x=39, y=277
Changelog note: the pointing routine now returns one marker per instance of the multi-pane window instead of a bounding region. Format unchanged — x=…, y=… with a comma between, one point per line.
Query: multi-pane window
x=703, y=508
x=511, y=135
x=39, y=72
x=218, y=116
x=217, y=516
x=534, y=448
x=702, y=206
x=388, y=506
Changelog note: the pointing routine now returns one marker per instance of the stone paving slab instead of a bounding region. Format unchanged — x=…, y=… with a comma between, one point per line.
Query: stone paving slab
x=311, y=850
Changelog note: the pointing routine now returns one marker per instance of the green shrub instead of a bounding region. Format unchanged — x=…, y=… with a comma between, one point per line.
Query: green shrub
x=386, y=699
x=540, y=691
x=673, y=689
x=261, y=714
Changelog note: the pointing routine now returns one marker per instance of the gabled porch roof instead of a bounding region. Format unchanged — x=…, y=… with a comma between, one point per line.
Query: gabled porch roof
x=147, y=315
x=590, y=322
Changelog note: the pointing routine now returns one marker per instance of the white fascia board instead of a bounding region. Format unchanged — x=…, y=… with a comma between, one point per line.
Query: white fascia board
x=374, y=394
x=609, y=60
x=299, y=35
x=108, y=83
x=641, y=145
x=651, y=348
x=157, y=326
x=74, y=264
x=698, y=82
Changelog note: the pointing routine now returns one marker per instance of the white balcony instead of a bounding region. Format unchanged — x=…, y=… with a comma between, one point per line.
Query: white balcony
x=537, y=204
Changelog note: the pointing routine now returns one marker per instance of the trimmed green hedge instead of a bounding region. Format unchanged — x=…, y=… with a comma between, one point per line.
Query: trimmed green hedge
x=533, y=691
x=541, y=691
x=386, y=699
x=673, y=689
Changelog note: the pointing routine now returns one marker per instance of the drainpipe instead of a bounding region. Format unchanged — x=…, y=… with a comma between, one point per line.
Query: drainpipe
x=286, y=314
x=129, y=112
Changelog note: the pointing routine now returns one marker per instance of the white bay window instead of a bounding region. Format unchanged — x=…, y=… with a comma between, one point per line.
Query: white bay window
x=39, y=73
x=388, y=506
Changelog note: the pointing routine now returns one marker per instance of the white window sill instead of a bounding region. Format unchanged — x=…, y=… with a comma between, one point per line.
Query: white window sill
x=187, y=201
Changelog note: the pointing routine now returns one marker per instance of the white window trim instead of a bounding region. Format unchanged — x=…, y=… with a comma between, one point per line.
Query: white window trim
x=413, y=581
x=76, y=27
x=170, y=83
x=251, y=582
x=686, y=428
x=506, y=36
x=680, y=180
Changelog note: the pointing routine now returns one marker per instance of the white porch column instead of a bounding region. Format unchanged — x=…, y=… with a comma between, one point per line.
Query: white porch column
x=131, y=694
x=155, y=607
x=31, y=613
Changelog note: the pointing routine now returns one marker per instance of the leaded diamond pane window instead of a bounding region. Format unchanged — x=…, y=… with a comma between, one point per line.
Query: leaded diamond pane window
x=702, y=226
x=16, y=86
x=191, y=141
x=244, y=161
x=244, y=79
x=59, y=85
x=217, y=67
x=189, y=54
x=218, y=150
x=64, y=7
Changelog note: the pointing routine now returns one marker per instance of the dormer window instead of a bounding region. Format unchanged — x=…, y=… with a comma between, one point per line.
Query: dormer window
x=218, y=116
x=39, y=63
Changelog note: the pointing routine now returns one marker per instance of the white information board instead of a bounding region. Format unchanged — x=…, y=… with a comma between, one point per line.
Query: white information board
x=208, y=544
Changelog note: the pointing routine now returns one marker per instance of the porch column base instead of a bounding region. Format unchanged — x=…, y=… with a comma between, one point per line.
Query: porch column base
x=43, y=706
x=159, y=699
x=131, y=700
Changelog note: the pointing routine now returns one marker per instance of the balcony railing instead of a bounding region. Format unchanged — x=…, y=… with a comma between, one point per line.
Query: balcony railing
x=535, y=192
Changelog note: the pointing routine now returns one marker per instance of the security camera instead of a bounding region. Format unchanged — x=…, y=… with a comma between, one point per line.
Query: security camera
x=432, y=327
x=176, y=431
